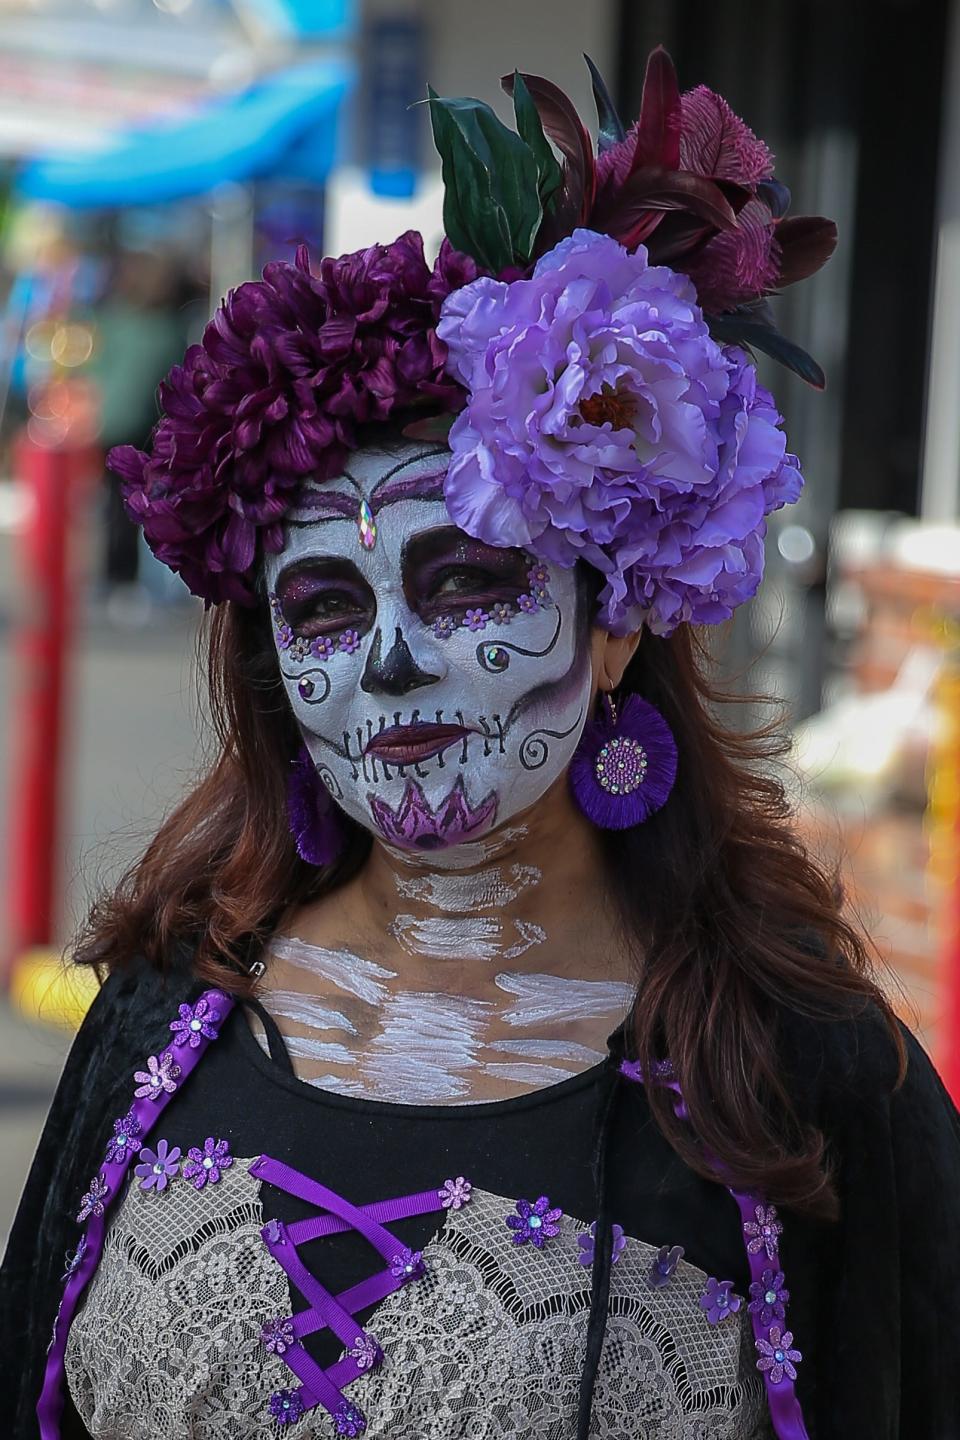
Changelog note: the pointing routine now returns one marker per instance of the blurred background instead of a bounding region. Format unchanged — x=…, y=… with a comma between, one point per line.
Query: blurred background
x=153, y=153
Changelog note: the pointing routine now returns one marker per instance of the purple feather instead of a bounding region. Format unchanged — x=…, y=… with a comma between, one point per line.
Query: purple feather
x=314, y=822
x=624, y=769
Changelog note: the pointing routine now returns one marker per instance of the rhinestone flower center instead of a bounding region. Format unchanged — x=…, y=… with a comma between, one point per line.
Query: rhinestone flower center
x=621, y=766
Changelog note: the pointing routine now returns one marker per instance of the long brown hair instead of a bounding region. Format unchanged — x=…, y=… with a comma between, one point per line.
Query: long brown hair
x=732, y=920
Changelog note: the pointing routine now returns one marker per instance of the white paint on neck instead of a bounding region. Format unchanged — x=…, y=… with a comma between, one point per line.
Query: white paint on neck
x=461, y=857
x=555, y=1000
x=306, y=1010
x=462, y=894
x=466, y=937
x=360, y=978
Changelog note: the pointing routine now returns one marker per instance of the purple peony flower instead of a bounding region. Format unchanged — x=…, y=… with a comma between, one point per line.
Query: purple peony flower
x=286, y=1407
x=92, y=1202
x=367, y=1353
x=777, y=1356
x=321, y=647
x=444, y=626
x=204, y=1166
x=408, y=1265
x=605, y=424
x=768, y=1298
x=125, y=1138
x=277, y=1336
x=160, y=1077
x=663, y=1268
x=195, y=1022
x=535, y=1222
x=158, y=1167
x=764, y=1232
x=349, y=642
x=718, y=1300
x=586, y=1244
x=455, y=1193
x=349, y=1420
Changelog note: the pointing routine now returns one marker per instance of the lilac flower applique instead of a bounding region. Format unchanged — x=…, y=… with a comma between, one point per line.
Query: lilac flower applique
x=160, y=1077
x=92, y=1202
x=205, y=1165
x=272, y=1232
x=349, y=1420
x=125, y=1139
x=777, y=1357
x=662, y=1269
x=72, y=1262
x=408, y=1265
x=196, y=1021
x=157, y=1168
x=455, y=1193
x=536, y=1223
x=718, y=1300
x=286, y=1407
x=366, y=1352
x=587, y=1244
x=764, y=1232
x=277, y=1336
x=768, y=1297
x=321, y=647
x=538, y=575
x=501, y=614
x=284, y=636
x=349, y=642
x=528, y=604
x=444, y=626
x=476, y=619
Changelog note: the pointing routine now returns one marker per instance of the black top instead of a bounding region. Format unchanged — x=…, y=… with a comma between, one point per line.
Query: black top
x=875, y=1300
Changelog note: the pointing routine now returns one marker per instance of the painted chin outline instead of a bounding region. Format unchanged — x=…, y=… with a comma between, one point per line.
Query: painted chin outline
x=418, y=825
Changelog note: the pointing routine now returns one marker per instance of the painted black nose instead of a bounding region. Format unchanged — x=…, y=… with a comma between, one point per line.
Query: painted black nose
x=396, y=673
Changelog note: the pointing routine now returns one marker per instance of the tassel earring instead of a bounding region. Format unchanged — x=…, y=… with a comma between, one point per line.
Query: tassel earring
x=625, y=765
x=313, y=817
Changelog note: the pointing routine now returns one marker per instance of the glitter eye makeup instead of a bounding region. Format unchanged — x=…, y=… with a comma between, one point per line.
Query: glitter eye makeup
x=325, y=597
x=445, y=572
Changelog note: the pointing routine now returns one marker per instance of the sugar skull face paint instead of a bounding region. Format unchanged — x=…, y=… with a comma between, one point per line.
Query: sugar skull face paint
x=440, y=684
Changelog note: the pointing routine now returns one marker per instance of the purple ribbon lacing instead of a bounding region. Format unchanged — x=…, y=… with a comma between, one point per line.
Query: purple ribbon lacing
x=784, y=1406
x=147, y=1110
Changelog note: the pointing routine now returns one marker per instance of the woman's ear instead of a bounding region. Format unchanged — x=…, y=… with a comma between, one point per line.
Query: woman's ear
x=611, y=656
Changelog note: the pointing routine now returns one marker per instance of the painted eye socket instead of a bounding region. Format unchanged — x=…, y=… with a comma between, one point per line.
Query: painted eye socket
x=324, y=597
x=325, y=612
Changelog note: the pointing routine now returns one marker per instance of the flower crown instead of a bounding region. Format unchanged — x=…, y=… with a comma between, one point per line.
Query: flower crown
x=581, y=343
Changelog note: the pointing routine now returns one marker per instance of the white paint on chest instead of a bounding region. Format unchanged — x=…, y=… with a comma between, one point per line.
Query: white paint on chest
x=348, y=972
x=554, y=1000
x=427, y=1046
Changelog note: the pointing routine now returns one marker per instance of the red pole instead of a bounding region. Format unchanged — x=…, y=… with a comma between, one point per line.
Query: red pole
x=41, y=645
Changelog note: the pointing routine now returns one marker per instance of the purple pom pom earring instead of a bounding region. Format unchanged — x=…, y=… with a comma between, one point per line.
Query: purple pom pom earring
x=625, y=765
x=314, y=823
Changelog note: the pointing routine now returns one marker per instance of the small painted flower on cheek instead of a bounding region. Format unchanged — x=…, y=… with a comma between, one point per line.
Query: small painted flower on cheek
x=159, y=1077
x=444, y=626
x=588, y=1240
x=92, y=1202
x=777, y=1356
x=204, y=1166
x=125, y=1138
x=536, y=1223
x=286, y=1407
x=768, y=1298
x=72, y=1262
x=321, y=647
x=501, y=614
x=764, y=1232
x=349, y=1420
x=455, y=1193
x=528, y=604
x=157, y=1168
x=662, y=1269
x=196, y=1022
x=277, y=1336
x=284, y=636
x=349, y=642
x=408, y=1265
x=476, y=619
x=718, y=1301
x=366, y=1352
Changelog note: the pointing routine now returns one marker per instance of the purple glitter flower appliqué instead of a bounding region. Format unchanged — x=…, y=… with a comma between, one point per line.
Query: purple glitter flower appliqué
x=92, y=1202
x=284, y=637
x=277, y=1336
x=408, y=1265
x=195, y=1022
x=125, y=1138
x=349, y=1420
x=349, y=642
x=528, y=604
x=586, y=1244
x=718, y=1300
x=72, y=1262
x=366, y=1352
x=286, y=1407
x=322, y=647
x=535, y=1222
x=203, y=1166
x=160, y=1077
x=157, y=1168
x=272, y=1232
x=764, y=1232
x=476, y=619
x=444, y=626
x=662, y=1269
x=777, y=1356
x=768, y=1298
x=455, y=1193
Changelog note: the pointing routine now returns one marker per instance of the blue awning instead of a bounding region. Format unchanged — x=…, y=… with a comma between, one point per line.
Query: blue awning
x=285, y=125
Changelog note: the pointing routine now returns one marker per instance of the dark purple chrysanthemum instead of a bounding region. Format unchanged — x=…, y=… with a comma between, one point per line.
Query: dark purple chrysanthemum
x=768, y=1297
x=777, y=1355
x=536, y=1222
x=286, y=1407
x=195, y=1023
x=718, y=1300
x=204, y=1166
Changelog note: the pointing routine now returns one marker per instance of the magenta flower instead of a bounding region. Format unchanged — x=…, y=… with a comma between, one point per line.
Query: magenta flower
x=605, y=424
x=195, y=1022
x=92, y=1202
x=158, y=1167
x=476, y=619
x=586, y=1244
x=764, y=1232
x=768, y=1298
x=455, y=1193
x=349, y=1420
x=160, y=1077
x=204, y=1166
x=349, y=642
x=663, y=1268
x=277, y=1336
x=125, y=1138
x=286, y=1407
x=718, y=1300
x=536, y=1222
x=777, y=1356
x=408, y=1265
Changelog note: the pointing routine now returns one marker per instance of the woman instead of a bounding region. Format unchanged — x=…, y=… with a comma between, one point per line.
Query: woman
x=488, y=1056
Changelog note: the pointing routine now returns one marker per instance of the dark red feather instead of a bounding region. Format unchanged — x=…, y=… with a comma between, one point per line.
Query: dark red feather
x=658, y=129
x=806, y=243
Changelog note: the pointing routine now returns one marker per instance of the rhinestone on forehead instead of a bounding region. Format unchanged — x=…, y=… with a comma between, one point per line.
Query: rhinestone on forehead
x=367, y=525
x=621, y=766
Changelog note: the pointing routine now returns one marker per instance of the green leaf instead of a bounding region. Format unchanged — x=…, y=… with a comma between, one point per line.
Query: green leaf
x=530, y=127
x=491, y=206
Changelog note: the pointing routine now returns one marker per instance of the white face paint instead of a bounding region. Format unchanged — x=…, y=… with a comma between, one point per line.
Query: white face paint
x=440, y=685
